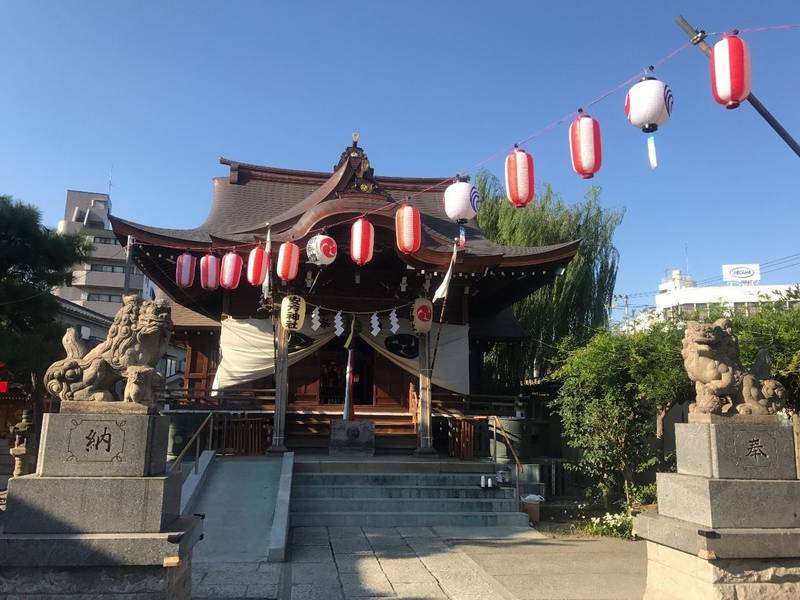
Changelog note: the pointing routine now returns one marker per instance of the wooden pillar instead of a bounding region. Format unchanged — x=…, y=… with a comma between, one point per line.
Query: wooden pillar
x=281, y=388
x=424, y=430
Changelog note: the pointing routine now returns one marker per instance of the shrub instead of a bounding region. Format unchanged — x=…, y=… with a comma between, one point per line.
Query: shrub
x=614, y=525
x=644, y=494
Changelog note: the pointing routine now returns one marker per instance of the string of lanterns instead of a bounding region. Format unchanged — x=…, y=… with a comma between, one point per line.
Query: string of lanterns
x=648, y=106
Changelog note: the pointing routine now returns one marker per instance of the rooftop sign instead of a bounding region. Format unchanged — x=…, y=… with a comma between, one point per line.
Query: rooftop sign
x=741, y=273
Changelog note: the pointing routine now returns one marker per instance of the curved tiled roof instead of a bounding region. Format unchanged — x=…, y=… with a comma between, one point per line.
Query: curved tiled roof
x=294, y=202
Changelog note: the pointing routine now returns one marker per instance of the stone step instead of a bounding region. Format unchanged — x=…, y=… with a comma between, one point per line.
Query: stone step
x=406, y=440
x=408, y=519
x=393, y=479
x=399, y=505
x=393, y=466
x=399, y=491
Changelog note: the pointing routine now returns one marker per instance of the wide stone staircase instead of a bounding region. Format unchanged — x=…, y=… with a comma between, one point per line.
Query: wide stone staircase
x=391, y=493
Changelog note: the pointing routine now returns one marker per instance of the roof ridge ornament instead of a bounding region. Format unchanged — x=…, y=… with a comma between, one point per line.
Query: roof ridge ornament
x=363, y=175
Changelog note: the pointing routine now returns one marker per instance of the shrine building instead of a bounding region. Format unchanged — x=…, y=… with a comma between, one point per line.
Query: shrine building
x=233, y=346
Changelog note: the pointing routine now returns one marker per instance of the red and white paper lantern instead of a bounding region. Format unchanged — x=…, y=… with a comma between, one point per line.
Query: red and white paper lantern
x=584, y=146
x=648, y=104
x=257, y=266
x=519, y=177
x=461, y=201
x=408, y=229
x=321, y=250
x=231, y=271
x=209, y=272
x=362, y=240
x=730, y=71
x=422, y=315
x=184, y=270
x=288, y=261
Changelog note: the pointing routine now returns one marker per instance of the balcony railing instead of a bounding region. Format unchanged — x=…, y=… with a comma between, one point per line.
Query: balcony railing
x=244, y=400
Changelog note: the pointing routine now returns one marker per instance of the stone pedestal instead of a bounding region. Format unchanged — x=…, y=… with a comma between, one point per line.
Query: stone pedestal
x=352, y=438
x=76, y=445
x=728, y=523
x=101, y=516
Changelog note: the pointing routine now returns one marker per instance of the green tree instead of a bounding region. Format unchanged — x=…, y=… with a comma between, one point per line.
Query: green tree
x=776, y=329
x=657, y=369
x=577, y=302
x=33, y=259
x=602, y=413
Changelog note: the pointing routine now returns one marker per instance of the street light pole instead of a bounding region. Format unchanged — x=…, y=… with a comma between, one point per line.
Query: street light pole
x=698, y=39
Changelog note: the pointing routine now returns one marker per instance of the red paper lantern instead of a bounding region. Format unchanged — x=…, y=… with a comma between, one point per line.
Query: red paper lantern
x=408, y=229
x=184, y=270
x=584, y=146
x=257, y=266
x=288, y=261
x=730, y=71
x=209, y=272
x=362, y=239
x=231, y=271
x=519, y=177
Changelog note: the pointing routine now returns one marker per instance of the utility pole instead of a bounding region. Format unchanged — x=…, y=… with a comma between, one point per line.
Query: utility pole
x=625, y=298
x=698, y=37
x=626, y=306
x=126, y=286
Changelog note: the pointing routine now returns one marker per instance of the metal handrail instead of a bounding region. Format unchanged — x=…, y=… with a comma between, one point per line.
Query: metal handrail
x=497, y=424
x=192, y=440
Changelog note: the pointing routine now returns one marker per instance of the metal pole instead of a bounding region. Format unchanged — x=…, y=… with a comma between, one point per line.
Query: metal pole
x=494, y=440
x=698, y=39
x=347, y=410
x=126, y=286
x=196, y=454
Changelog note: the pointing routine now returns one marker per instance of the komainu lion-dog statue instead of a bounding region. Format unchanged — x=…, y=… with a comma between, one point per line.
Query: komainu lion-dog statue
x=136, y=341
x=711, y=358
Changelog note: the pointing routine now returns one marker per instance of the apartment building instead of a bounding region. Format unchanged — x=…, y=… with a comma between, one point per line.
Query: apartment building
x=98, y=282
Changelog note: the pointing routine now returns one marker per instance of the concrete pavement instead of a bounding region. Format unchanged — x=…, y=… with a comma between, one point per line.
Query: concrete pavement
x=564, y=568
x=339, y=563
x=423, y=563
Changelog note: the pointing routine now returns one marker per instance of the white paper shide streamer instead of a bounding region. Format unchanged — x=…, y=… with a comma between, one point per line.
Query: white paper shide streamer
x=375, y=325
x=651, y=151
x=338, y=324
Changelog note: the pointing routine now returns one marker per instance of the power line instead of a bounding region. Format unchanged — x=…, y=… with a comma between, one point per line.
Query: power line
x=777, y=263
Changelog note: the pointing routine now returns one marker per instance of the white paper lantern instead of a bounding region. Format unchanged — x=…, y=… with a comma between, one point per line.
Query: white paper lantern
x=321, y=250
x=648, y=104
x=461, y=201
x=422, y=315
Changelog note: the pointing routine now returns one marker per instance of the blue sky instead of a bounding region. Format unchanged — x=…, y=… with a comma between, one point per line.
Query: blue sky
x=160, y=90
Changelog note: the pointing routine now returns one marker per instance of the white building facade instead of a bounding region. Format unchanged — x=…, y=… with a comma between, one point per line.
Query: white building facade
x=741, y=293
x=98, y=282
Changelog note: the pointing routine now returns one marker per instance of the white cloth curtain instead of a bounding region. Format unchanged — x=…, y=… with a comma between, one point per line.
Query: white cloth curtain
x=451, y=370
x=248, y=351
